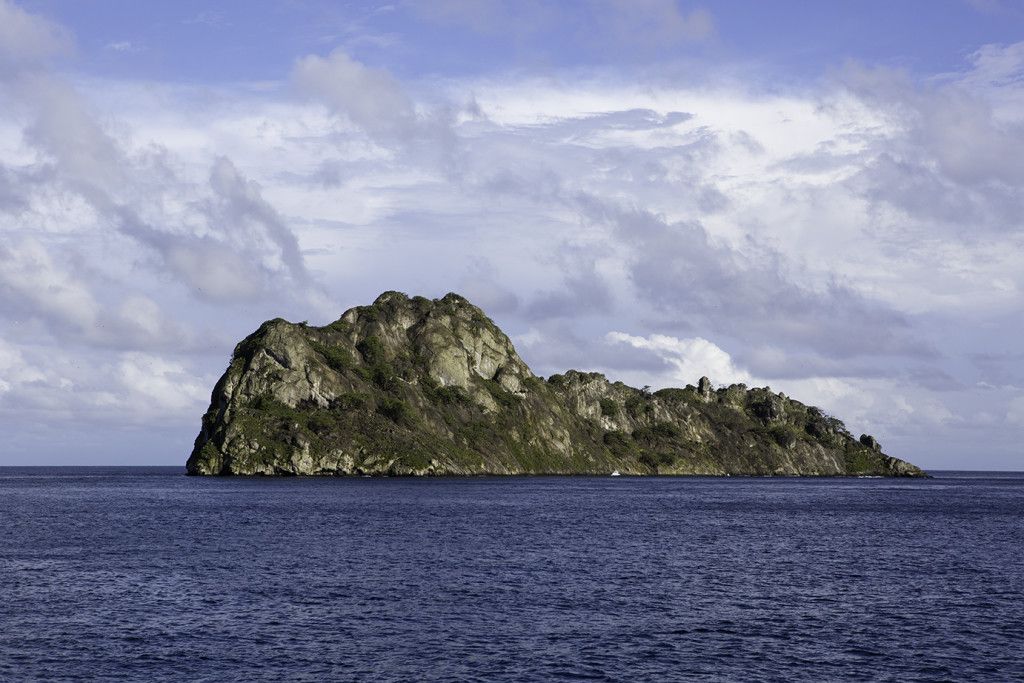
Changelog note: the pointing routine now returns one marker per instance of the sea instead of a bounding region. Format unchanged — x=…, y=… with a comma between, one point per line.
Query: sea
x=144, y=574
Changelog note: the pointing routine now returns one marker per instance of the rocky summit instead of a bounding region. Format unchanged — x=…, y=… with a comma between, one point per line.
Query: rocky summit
x=414, y=386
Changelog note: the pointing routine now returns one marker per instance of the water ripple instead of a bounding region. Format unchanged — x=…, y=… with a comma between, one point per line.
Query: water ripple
x=143, y=574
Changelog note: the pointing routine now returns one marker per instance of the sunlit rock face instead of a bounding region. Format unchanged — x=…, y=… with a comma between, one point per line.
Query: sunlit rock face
x=414, y=386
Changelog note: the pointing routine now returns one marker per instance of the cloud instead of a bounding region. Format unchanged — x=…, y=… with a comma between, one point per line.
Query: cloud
x=122, y=258
x=1015, y=411
x=41, y=385
x=12, y=194
x=14, y=371
x=38, y=284
x=238, y=205
x=159, y=386
x=856, y=241
x=582, y=289
x=653, y=22
x=32, y=285
x=684, y=274
x=241, y=248
x=124, y=46
x=208, y=18
x=690, y=358
x=225, y=241
x=995, y=66
x=370, y=98
x=28, y=40
x=952, y=157
x=86, y=158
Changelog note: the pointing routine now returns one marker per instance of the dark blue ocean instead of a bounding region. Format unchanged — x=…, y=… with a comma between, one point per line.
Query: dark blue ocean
x=145, y=574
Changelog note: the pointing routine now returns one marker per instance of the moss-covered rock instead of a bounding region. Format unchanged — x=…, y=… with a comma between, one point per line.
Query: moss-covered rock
x=413, y=386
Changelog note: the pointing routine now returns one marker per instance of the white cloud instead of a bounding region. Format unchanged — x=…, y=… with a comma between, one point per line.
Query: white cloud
x=156, y=386
x=124, y=46
x=46, y=386
x=370, y=98
x=27, y=39
x=880, y=405
x=1015, y=411
x=691, y=358
x=35, y=286
x=14, y=370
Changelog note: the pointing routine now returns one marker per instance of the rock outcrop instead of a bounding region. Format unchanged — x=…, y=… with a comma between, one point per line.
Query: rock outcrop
x=413, y=386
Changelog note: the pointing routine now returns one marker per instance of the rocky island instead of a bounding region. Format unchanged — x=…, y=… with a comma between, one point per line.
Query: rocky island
x=414, y=386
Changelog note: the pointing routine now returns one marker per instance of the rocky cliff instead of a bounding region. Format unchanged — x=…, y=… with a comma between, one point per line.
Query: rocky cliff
x=413, y=386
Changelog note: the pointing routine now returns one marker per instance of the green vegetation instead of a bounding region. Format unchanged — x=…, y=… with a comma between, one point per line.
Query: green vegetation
x=673, y=395
x=638, y=406
x=445, y=396
x=861, y=461
x=388, y=406
x=654, y=461
x=665, y=430
x=620, y=443
x=337, y=358
x=609, y=408
x=372, y=351
x=395, y=410
x=349, y=401
x=784, y=435
x=500, y=396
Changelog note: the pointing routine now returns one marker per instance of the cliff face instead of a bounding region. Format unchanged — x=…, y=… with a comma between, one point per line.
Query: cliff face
x=431, y=387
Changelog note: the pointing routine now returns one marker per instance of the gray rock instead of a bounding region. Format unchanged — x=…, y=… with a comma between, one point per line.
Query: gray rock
x=704, y=387
x=871, y=442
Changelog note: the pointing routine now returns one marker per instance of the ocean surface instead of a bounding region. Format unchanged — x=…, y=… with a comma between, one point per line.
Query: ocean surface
x=145, y=574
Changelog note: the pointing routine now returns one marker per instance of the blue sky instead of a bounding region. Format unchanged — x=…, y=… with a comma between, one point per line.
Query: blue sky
x=823, y=197
x=199, y=41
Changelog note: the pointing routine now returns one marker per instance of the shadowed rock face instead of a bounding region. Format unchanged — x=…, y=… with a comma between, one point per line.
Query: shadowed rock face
x=413, y=386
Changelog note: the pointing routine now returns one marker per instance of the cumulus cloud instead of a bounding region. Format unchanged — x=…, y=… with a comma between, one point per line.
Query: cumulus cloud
x=682, y=272
x=371, y=98
x=690, y=358
x=224, y=241
x=952, y=157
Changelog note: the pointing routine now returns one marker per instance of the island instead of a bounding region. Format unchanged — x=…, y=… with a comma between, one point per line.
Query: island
x=418, y=386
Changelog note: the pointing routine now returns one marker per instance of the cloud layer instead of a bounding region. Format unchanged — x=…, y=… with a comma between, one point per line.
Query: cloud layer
x=855, y=242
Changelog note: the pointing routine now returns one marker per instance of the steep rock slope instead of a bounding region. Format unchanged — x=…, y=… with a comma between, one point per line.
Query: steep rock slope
x=413, y=386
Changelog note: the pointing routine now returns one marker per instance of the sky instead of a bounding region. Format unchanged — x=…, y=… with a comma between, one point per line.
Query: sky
x=825, y=198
